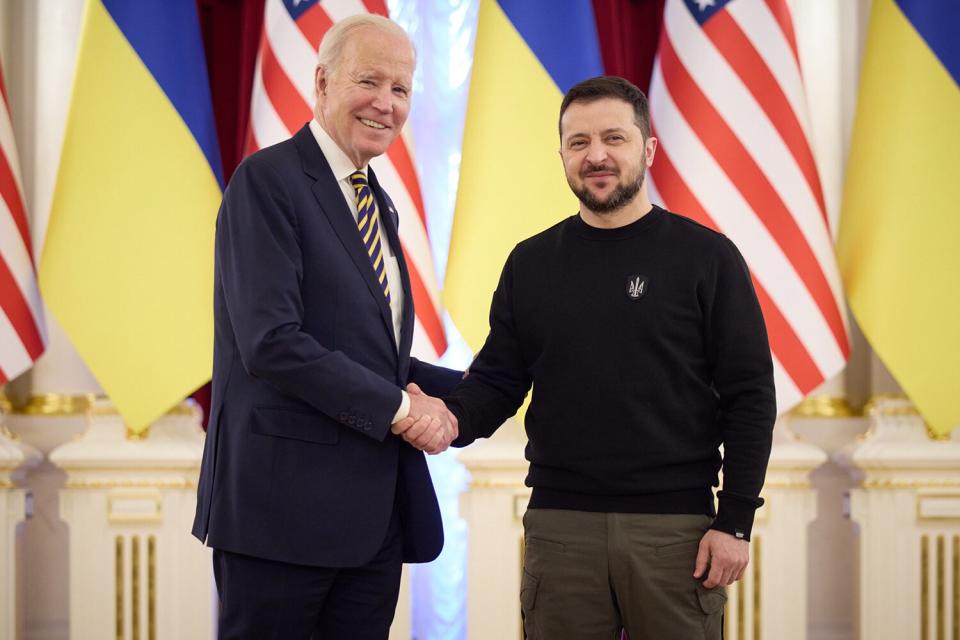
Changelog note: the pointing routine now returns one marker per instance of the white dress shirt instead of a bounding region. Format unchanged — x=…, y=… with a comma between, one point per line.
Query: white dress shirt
x=342, y=168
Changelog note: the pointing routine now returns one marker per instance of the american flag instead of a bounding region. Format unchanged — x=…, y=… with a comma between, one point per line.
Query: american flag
x=283, y=101
x=728, y=106
x=22, y=328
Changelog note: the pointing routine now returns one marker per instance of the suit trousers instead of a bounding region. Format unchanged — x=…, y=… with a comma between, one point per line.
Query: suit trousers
x=263, y=599
x=588, y=575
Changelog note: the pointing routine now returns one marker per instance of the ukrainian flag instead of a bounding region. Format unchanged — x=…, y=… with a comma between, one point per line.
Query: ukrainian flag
x=900, y=224
x=127, y=266
x=528, y=54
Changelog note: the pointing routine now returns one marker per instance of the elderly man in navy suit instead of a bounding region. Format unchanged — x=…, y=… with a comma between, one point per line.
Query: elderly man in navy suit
x=312, y=492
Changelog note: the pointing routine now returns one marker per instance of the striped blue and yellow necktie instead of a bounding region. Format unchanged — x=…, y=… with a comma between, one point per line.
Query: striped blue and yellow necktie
x=368, y=222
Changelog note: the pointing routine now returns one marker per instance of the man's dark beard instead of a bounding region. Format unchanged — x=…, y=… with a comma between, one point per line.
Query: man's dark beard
x=619, y=198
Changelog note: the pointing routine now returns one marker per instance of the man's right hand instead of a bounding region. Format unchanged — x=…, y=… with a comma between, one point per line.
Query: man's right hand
x=429, y=426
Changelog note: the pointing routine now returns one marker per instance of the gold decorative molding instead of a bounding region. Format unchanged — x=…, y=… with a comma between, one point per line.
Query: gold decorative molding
x=137, y=436
x=871, y=406
x=787, y=483
x=757, y=584
x=523, y=560
x=157, y=483
x=6, y=484
x=956, y=588
x=823, y=407
x=181, y=409
x=118, y=598
x=135, y=586
x=5, y=406
x=896, y=483
x=9, y=435
x=498, y=484
x=56, y=404
x=152, y=587
x=925, y=587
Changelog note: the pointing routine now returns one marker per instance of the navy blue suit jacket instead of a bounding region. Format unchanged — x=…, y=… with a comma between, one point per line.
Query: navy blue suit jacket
x=299, y=464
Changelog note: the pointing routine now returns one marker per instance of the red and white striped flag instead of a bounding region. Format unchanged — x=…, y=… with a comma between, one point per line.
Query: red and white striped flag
x=283, y=101
x=23, y=332
x=728, y=106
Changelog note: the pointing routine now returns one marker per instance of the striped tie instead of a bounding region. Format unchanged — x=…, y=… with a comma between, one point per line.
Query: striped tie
x=368, y=222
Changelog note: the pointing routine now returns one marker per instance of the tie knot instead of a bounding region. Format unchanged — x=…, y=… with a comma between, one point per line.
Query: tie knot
x=358, y=179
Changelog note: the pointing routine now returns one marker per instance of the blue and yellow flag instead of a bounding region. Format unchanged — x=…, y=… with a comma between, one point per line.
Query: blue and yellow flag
x=900, y=225
x=127, y=266
x=528, y=54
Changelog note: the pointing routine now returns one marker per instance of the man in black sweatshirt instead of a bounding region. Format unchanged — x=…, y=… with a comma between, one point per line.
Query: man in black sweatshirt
x=641, y=335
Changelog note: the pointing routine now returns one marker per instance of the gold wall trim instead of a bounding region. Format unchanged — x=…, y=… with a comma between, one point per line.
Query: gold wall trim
x=797, y=483
x=118, y=600
x=824, y=407
x=925, y=588
x=173, y=483
x=877, y=398
x=136, y=436
x=76, y=404
x=941, y=591
x=892, y=483
x=741, y=611
x=497, y=484
x=152, y=587
x=181, y=409
x=758, y=549
x=9, y=435
x=523, y=559
x=6, y=484
x=956, y=588
x=135, y=586
x=56, y=404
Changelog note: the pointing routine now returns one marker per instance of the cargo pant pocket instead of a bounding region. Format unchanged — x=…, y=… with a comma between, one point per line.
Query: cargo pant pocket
x=712, y=602
x=529, y=585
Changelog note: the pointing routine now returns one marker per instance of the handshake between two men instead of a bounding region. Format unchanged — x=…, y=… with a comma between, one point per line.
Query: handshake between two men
x=429, y=426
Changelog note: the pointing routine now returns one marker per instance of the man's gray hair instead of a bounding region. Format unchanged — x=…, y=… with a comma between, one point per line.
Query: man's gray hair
x=336, y=38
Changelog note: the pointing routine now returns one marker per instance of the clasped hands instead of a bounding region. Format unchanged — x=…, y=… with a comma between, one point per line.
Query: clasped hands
x=429, y=426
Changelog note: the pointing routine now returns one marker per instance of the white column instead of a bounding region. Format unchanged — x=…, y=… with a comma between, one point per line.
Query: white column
x=129, y=504
x=908, y=508
x=493, y=507
x=15, y=458
x=771, y=599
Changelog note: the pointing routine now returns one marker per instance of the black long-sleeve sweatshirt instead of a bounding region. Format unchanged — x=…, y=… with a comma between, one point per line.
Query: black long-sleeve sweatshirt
x=646, y=349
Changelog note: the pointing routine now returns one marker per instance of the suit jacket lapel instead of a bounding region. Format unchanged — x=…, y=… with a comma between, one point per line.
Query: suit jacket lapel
x=330, y=198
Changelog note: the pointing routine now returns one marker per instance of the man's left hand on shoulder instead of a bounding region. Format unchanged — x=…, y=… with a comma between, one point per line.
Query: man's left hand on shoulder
x=725, y=555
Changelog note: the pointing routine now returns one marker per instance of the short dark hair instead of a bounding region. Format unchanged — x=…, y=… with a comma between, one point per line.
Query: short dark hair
x=609, y=87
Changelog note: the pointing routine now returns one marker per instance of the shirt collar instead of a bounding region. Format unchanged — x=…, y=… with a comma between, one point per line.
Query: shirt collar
x=340, y=164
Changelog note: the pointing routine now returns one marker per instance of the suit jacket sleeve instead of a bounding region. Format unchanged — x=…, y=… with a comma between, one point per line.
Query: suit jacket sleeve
x=260, y=265
x=434, y=380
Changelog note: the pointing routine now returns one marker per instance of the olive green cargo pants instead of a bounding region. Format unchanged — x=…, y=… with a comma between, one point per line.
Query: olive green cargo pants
x=587, y=575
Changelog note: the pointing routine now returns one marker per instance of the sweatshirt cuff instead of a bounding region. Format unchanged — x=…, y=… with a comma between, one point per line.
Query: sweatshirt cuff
x=404, y=409
x=735, y=515
x=463, y=437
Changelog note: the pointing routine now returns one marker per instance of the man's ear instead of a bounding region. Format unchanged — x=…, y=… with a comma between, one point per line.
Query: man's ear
x=650, y=150
x=320, y=79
